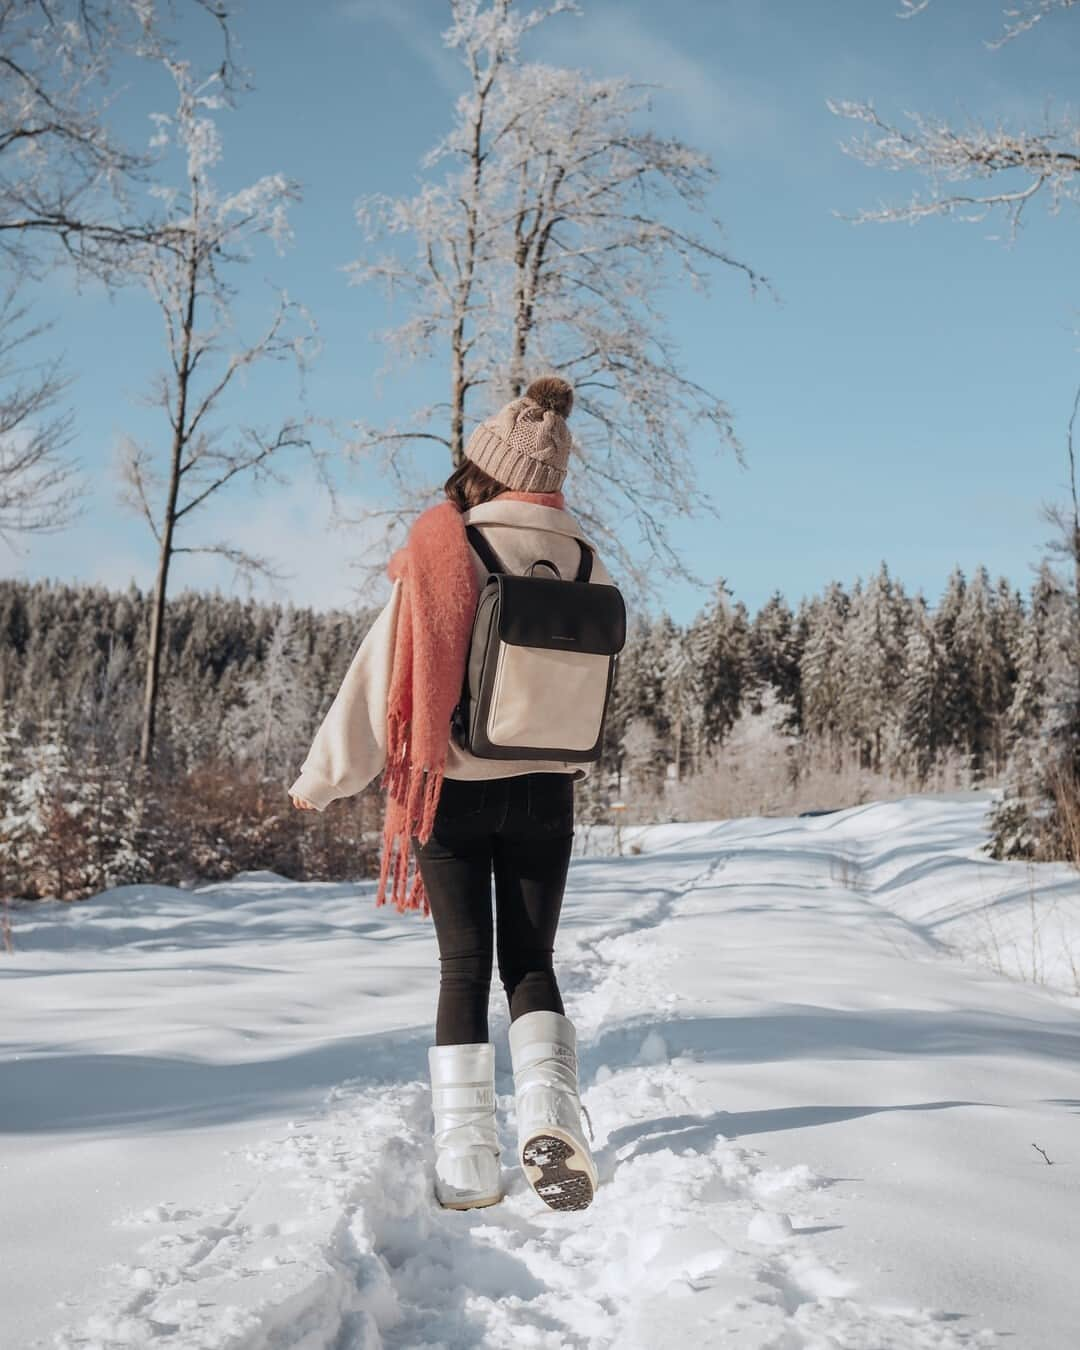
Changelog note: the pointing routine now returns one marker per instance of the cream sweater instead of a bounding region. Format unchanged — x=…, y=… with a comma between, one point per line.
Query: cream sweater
x=349, y=748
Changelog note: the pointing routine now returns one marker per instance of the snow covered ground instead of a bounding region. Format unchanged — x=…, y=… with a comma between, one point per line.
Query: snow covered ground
x=816, y=1108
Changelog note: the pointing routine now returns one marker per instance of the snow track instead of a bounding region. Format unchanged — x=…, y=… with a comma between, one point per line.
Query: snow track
x=328, y=1236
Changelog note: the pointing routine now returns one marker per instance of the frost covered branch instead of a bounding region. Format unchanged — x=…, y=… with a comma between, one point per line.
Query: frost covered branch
x=1030, y=163
x=65, y=177
x=1019, y=19
x=1020, y=165
x=39, y=487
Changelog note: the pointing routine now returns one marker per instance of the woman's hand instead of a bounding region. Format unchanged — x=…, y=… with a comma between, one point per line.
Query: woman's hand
x=302, y=804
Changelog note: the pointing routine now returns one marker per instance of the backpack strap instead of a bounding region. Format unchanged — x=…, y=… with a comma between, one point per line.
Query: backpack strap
x=487, y=553
x=493, y=563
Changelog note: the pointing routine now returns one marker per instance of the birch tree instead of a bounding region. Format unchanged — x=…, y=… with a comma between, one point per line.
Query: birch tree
x=545, y=246
x=216, y=232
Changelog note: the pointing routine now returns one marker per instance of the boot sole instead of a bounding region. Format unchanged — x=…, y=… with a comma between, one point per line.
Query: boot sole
x=545, y=1159
x=469, y=1204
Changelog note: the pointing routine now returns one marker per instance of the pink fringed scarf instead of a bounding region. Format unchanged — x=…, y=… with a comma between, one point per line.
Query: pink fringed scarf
x=434, y=625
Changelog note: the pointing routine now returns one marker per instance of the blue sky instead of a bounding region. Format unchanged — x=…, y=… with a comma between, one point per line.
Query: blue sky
x=904, y=401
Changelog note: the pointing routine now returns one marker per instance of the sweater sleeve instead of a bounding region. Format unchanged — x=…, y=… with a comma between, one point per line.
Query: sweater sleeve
x=349, y=748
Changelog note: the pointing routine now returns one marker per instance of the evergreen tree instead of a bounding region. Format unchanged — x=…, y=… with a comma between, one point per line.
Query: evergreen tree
x=678, y=689
x=775, y=649
x=982, y=664
x=635, y=690
x=956, y=713
x=1043, y=772
x=821, y=673
x=872, y=656
x=270, y=714
x=16, y=819
x=1029, y=691
x=922, y=731
x=722, y=656
x=57, y=804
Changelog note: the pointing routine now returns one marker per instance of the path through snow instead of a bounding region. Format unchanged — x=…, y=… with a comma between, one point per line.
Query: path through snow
x=814, y=1125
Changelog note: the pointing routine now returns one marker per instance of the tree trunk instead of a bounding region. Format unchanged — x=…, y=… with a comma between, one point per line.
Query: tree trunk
x=459, y=384
x=457, y=398
x=157, y=613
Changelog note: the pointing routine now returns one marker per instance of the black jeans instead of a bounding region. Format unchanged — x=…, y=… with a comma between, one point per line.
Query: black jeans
x=521, y=828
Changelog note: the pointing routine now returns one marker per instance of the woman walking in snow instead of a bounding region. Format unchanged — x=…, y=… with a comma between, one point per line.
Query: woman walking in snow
x=468, y=799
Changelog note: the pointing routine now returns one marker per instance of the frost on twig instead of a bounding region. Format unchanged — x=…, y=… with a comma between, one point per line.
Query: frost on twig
x=66, y=178
x=1018, y=18
x=1020, y=165
x=1016, y=165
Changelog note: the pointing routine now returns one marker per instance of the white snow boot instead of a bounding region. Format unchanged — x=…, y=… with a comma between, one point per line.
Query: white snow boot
x=551, y=1146
x=467, y=1171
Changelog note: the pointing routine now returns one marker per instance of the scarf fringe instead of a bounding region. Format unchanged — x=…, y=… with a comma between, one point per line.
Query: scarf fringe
x=412, y=798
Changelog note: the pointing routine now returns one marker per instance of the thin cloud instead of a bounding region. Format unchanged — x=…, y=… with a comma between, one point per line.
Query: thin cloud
x=724, y=110
x=411, y=23
x=290, y=527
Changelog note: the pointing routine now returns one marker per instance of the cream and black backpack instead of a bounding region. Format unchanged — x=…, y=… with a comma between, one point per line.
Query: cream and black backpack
x=541, y=662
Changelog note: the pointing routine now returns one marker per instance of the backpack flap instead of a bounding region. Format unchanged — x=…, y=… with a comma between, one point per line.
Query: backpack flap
x=545, y=612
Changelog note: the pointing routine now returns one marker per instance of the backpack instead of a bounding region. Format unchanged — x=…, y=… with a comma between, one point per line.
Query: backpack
x=541, y=662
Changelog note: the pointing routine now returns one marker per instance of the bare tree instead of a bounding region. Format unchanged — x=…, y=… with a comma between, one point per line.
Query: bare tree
x=64, y=175
x=66, y=180
x=591, y=201
x=544, y=247
x=449, y=224
x=39, y=486
x=188, y=282
x=1016, y=165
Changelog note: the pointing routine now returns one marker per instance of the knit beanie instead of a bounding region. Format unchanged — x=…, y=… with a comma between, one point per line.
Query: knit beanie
x=526, y=444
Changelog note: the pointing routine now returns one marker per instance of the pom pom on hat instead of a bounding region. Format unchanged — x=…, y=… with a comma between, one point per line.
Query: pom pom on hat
x=552, y=393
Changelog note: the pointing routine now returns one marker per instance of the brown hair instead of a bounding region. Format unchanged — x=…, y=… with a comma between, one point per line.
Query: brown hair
x=469, y=485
